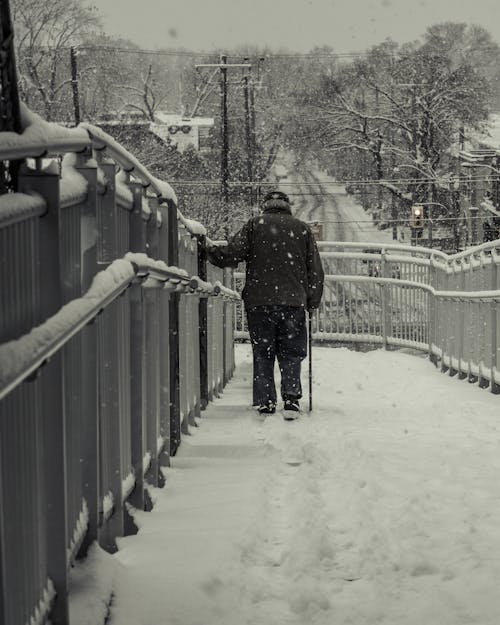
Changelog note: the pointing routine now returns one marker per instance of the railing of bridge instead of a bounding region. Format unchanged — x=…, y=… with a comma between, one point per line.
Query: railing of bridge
x=113, y=338
x=411, y=297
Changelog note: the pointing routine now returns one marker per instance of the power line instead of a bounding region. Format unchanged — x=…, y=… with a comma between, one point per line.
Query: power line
x=273, y=55
x=185, y=53
x=435, y=221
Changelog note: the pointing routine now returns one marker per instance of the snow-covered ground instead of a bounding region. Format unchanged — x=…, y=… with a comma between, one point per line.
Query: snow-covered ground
x=391, y=517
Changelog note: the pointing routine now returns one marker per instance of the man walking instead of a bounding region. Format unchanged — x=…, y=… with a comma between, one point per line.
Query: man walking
x=284, y=277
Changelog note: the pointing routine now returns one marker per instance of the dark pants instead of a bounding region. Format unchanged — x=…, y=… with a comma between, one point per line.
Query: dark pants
x=277, y=332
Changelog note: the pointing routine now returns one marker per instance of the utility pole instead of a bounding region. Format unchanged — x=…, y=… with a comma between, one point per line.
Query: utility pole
x=248, y=136
x=224, y=129
x=253, y=143
x=74, y=85
x=224, y=66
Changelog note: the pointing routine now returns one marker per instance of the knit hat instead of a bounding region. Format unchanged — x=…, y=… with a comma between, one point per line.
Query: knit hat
x=276, y=195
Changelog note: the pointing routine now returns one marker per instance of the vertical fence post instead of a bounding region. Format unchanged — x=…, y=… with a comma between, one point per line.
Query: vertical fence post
x=453, y=343
x=3, y=564
x=461, y=329
x=431, y=307
x=53, y=413
x=152, y=373
x=164, y=343
x=484, y=319
x=495, y=387
x=137, y=359
x=472, y=377
x=386, y=305
x=89, y=344
x=203, y=309
x=173, y=259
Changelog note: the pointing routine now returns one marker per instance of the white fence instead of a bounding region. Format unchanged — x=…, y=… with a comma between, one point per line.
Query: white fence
x=404, y=296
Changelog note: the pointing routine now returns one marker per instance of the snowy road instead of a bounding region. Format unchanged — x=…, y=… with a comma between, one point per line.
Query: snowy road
x=327, y=202
x=392, y=516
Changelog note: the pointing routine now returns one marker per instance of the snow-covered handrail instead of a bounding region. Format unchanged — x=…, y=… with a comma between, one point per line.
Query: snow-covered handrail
x=129, y=163
x=225, y=292
x=40, y=138
x=436, y=256
x=383, y=247
x=197, y=285
x=157, y=269
x=478, y=296
x=393, y=258
x=20, y=358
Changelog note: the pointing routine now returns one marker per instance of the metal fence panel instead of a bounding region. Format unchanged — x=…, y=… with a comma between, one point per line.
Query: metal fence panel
x=76, y=442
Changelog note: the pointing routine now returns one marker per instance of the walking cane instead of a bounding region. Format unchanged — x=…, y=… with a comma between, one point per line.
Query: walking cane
x=310, y=361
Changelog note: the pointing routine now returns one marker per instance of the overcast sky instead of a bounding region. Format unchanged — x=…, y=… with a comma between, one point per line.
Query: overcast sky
x=346, y=25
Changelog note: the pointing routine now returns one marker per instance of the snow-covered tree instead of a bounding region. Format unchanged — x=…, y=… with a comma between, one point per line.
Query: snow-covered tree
x=399, y=109
x=44, y=33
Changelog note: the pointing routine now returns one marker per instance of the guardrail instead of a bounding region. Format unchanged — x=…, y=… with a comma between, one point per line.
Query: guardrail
x=113, y=338
x=403, y=296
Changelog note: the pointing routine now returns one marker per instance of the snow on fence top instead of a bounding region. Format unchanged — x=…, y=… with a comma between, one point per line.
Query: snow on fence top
x=40, y=138
x=74, y=187
x=101, y=140
x=193, y=226
x=21, y=357
x=16, y=207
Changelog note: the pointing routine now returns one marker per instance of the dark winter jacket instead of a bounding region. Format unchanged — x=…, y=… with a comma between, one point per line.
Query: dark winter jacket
x=283, y=266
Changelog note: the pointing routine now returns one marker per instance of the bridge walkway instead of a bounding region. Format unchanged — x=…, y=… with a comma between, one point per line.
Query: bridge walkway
x=390, y=517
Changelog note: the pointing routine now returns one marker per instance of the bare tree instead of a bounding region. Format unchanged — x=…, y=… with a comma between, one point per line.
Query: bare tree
x=400, y=106
x=147, y=96
x=44, y=33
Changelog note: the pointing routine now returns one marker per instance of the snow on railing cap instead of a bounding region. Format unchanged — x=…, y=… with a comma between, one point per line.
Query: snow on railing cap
x=20, y=206
x=18, y=354
x=123, y=157
x=166, y=190
x=194, y=227
x=144, y=261
x=40, y=138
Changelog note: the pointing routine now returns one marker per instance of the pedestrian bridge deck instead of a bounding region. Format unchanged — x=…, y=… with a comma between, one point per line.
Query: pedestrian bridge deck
x=391, y=513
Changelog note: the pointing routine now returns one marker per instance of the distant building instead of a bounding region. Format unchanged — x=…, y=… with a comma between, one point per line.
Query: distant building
x=183, y=132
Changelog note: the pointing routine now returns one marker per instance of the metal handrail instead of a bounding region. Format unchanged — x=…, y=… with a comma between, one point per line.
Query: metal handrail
x=383, y=247
x=45, y=139
x=226, y=292
x=49, y=337
x=129, y=163
x=41, y=147
x=40, y=138
x=393, y=258
x=488, y=296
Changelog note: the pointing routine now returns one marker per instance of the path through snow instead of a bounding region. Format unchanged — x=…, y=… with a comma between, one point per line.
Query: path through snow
x=391, y=518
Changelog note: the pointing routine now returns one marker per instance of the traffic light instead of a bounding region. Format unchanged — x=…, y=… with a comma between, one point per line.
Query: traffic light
x=417, y=216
